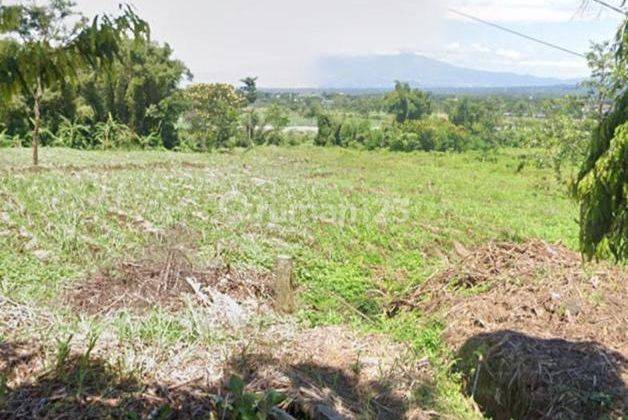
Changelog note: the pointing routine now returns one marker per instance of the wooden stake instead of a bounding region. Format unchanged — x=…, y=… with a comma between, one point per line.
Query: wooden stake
x=283, y=288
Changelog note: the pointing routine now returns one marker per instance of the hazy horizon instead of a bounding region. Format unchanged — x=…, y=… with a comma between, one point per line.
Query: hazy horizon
x=280, y=41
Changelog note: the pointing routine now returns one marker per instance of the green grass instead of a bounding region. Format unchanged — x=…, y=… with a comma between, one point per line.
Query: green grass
x=360, y=225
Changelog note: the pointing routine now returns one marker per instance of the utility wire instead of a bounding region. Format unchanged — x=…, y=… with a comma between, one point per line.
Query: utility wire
x=610, y=6
x=528, y=37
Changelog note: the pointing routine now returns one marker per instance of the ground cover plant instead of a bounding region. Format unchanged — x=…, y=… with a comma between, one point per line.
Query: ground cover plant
x=153, y=268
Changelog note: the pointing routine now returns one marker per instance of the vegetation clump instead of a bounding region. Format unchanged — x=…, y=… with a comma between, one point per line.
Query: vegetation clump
x=602, y=183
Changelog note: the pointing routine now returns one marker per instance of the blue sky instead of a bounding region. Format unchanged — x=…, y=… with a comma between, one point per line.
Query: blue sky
x=279, y=40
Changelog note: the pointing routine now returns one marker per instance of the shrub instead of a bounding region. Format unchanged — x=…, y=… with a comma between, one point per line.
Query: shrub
x=435, y=135
x=72, y=134
x=344, y=132
x=8, y=141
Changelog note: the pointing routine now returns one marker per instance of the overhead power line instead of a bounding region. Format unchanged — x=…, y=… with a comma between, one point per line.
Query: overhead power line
x=610, y=6
x=512, y=31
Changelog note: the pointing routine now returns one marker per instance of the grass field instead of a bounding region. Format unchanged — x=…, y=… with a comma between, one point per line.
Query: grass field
x=361, y=227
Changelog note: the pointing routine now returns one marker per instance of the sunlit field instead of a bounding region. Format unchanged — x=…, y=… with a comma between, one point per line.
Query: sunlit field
x=362, y=227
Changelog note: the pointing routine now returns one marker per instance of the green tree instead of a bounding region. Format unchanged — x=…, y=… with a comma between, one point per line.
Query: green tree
x=327, y=130
x=212, y=115
x=602, y=184
x=140, y=90
x=474, y=115
x=271, y=125
x=563, y=141
x=46, y=46
x=407, y=103
x=249, y=92
x=604, y=81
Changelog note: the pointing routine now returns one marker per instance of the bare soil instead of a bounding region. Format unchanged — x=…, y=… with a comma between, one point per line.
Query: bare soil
x=163, y=280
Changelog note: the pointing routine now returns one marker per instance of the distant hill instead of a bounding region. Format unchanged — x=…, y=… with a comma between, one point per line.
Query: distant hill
x=380, y=72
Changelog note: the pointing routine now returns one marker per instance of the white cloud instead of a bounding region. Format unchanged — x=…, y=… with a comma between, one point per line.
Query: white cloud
x=481, y=48
x=484, y=57
x=453, y=46
x=508, y=54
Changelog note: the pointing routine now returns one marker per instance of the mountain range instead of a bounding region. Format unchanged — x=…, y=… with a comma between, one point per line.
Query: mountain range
x=380, y=72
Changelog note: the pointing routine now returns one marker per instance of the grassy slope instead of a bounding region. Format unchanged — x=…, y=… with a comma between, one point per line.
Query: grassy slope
x=355, y=222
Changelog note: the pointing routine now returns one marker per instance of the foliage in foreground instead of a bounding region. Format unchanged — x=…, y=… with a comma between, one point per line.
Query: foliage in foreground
x=602, y=184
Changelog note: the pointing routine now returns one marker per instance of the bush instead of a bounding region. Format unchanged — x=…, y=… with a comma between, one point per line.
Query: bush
x=431, y=134
x=435, y=135
x=343, y=132
x=73, y=134
x=8, y=141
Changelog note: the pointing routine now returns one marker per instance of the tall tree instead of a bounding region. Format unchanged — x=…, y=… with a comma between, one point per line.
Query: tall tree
x=602, y=184
x=249, y=91
x=212, y=115
x=141, y=90
x=46, y=47
x=606, y=78
x=407, y=103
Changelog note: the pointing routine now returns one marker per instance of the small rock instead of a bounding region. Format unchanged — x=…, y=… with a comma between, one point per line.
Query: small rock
x=555, y=296
x=479, y=323
x=573, y=306
x=42, y=255
x=460, y=249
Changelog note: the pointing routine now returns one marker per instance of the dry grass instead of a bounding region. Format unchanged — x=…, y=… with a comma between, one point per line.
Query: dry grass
x=544, y=336
x=147, y=283
x=335, y=370
x=327, y=370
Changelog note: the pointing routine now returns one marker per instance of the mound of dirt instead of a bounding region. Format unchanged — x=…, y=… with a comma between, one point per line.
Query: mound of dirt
x=516, y=376
x=534, y=287
x=568, y=313
x=164, y=281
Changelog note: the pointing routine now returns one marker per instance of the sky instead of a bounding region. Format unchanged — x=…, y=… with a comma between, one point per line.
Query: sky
x=280, y=40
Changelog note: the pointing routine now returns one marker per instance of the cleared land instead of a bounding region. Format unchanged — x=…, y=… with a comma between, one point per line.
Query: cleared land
x=397, y=257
